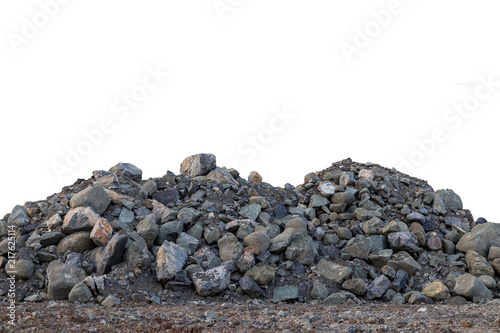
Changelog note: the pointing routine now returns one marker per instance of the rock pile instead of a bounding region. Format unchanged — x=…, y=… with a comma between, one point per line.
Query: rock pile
x=352, y=233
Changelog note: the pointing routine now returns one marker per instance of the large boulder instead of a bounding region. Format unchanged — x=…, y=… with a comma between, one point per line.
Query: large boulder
x=212, y=282
x=197, y=165
x=470, y=286
x=112, y=254
x=127, y=171
x=170, y=260
x=472, y=241
x=477, y=264
x=229, y=247
x=62, y=278
x=450, y=199
x=93, y=196
x=488, y=232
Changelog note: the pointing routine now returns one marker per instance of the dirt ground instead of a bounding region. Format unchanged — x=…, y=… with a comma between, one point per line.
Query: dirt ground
x=197, y=316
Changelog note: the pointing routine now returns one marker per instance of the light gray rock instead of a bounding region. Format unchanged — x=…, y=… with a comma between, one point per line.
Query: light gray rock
x=212, y=282
x=187, y=242
x=378, y=287
x=403, y=261
x=450, y=199
x=197, y=165
x=222, y=175
x=19, y=216
x=258, y=240
x=280, y=242
x=229, y=247
x=251, y=211
x=170, y=260
x=319, y=291
x=333, y=271
x=489, y=232
x=127, y=171
x=477, y=264
x=301, y=249
x=403, y=241
x=148, y=229
x=298, y=224
x=472, y=241
x=62, y=278
x=355, y=286
x=80, y=293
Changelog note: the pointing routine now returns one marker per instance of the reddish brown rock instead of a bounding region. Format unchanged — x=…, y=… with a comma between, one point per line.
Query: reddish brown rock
x=433, y=241
x=101, y=232
x=254, y=177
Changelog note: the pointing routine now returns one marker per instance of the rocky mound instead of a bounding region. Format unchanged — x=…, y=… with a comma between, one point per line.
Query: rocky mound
x=351, y=234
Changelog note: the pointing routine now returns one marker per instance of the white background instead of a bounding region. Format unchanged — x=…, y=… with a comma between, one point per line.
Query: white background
x=232, y=65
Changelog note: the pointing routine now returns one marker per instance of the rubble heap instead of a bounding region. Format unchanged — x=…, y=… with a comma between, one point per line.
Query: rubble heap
x=352, y=233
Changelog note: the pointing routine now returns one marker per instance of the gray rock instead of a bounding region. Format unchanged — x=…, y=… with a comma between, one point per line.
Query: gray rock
x=80, y=219
x=197, y=165
x=169, y=214
x=415, y=217
x=229, y=247
x=169, y=231
x=450, y=199
x=78, y=242
x=112, y=253
x=188, y=215
x=301, y=249
x=170, y=260
x=344, y=233
x=148, y=229
x=19, y=216
x=137, y=254
x=280, y=242
x=333, y=271
x=470, y=286
x=250, y=287
x=436, y=290
x=167, y=196
x=347, y=179
x=258, y=240
x=212, y=282
x=187, y=242
x=318, y=201
x=126, y=216
x=494, y=253
x=285, y=293
x=33, y=298
x=472, y=241
x=488, y=281
x=23, y=269
x=150, y=186
x=399, y=281
x=404, y=261
x=489, y=232
x=319, y=291
x=211, y=235
x=381, y=258
x=403, y=241
x=127, y=171
x=80, y=293
x=298, y=224
x=343, y=198
x=51, y=238
x=398, y=299
x=326, y=189
x=74, y=259
x=477, y=264
x=263, y=275
x=62, y=278
x=93, y=196
x=110, y=301
x=251, y=211
x=355, y=286
x=417, y=297
x=246, y=262
x=338, y=298
x=221, y=175
x=3, y=228
x=378, y=287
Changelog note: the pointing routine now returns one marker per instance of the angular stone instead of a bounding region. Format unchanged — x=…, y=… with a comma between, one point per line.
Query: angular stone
x=263, y=274
x=170, y=260
x=477, y=264
x=126, y=216
x=489, y=232
x=436, y=290
x=22, y=269
x=167, y=196
x=137, y=254
x=450, y=199
x=280, y=242
x=254, y=177
x=404, y=261
x=251, y=211
x=418, y=230
x=470, y=286
x=447, y=246
x=51, y=238
x=80, y=219
x=416, y=297
x=394, y=226
x=19, y=216
x=496, y=265
x=343, y=198
x=333, y=271
x=355, y=286
x=112, y=253
x=285, y=293
x=415, y=217
x=229, y=247
x=380, y=258
x=346, y=179
x=54, y=221
x=221, y=175
x=318, y=201
x=250, y=287
x=488, y=281
x=78, y=242
x=93, y=196
x=80, y=293
x=301, y=249
x=101, y=232
x=198, y=165
x=378, y=287
x=127, y=171
x=188, y=243
x=62, y=278
x=148, y=229
x=110, y=301
x=494, y=253
x=399, y=281
x=246, y=262
x=211, y=235
x=472, y=241
x=169, y=231
x=212, y=282
x=403, y=241
x=366, y=174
